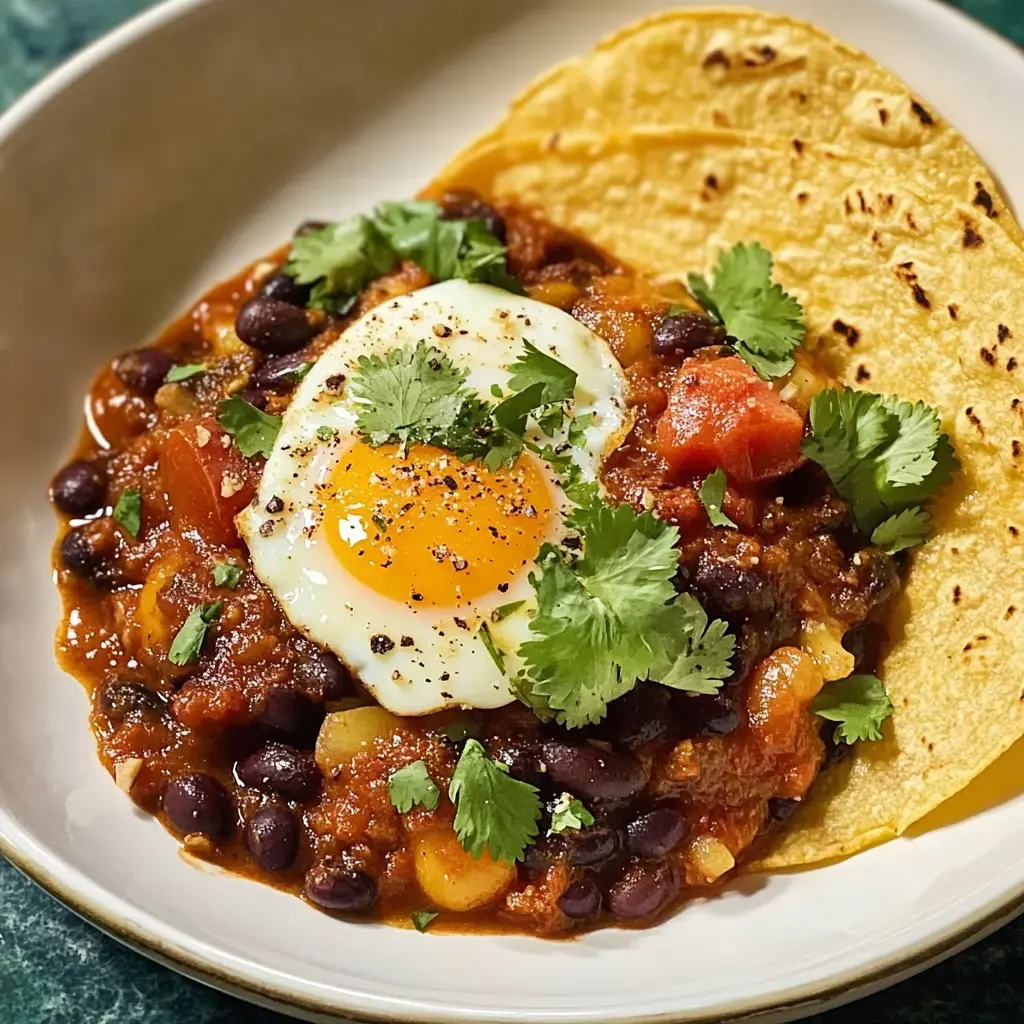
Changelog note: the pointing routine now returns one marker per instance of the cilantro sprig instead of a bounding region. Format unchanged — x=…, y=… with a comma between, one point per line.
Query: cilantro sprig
x=254, y=430
x=887, y=457
x=188, y=641
x=417, y=395
x=128, y=512
x=764, y=323
x=612, y=616
x=712, y=494
x=341, y=259
x=413, y=785
x=858, y=703
x=494, y=812
x=569, y=813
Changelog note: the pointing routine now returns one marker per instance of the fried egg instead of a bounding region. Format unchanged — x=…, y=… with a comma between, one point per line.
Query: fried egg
x=394, y=560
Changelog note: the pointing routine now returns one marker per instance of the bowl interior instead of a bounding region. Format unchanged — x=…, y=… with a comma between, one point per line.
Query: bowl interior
x=132, y=183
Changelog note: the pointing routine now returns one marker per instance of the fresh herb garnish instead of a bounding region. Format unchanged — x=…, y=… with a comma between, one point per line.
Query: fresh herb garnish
x=128, y=512
x=178, y=373
x=503, y=611
x=712, y=494
x=578, y=427
x=413, y=785
x=763, y=322
x=254, y=431
x=568, y=813
x=227, y=575
x=461, y=730
x=885, y=456
x=188, y=642
x=421, y=919
x=339, y=260
x=488, y=641
x=417, y=396
x=493, y=811
x=325, y=433
x=858, y=703
x=612, y=616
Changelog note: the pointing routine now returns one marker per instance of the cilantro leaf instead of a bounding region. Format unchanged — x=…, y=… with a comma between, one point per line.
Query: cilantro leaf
x=227, y=575
x=326, y=433
x=505, y=610
x=340, y=260
x=461, y=730
x=445, y=248
x=578, y=427
x=568, y=813
x=413, y=785
x=887, y=457
x=183, y=372
x=704, y=663
x=488, y=641
x=858, y=703
x=409, y=395
x=535, y=367
x=254, y=430
x=612, y=617
x=128, y=512
x=712, y=494
x=904, y=530
x=188, y=641
x=422, y=918
x=493, y=811
x=764, y=322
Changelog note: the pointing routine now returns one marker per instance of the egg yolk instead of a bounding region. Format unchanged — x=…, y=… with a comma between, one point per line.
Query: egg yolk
x=430, y=530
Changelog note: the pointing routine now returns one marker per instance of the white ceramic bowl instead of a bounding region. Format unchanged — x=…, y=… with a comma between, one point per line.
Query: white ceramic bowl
x=184, y=145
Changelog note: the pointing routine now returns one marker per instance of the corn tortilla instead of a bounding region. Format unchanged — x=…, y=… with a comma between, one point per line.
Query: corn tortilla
x=745, y=70
x=904, y=291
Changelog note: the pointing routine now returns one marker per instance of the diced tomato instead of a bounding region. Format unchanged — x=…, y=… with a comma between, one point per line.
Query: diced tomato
x=721, y=414
x=207, y=483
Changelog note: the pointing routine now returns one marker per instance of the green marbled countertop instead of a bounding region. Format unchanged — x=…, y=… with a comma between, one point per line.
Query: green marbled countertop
x=55, y=969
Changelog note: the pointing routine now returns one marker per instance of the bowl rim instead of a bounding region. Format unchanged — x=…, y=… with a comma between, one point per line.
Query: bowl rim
x=68, y=885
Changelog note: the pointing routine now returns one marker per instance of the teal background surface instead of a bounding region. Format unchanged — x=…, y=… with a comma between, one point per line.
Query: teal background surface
x=56, y=969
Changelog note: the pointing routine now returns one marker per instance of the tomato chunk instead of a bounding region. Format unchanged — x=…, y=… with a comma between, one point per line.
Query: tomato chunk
x=721, y=414
x=207, y=483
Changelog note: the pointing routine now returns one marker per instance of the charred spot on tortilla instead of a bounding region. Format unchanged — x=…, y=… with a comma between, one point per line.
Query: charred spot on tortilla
x=922, y=115
x=954, y=310
x=1011, y=364
x=798, y=146
x=983, y=198
x=862, y=374
x=802, y=197
x=972, y=417
x=1016, y=448
x=956, y=594
x=716, y=58
x=883, y=115
x=851, y=334
x=988, y=356
x=905, y=272
x=972, y=240
x=1004, y=333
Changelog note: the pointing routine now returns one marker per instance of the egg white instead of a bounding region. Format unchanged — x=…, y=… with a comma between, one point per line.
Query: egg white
x=482, y=329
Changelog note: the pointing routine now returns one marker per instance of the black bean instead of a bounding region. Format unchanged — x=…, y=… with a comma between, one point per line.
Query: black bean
x=656, y=832
x=280, y=770
x=592, y=773
x=581, y=899
x=781, y=809
x=706, y=714
x=643, y=889
x=878, y=574
x=336, y=888
x=90, y=554
x=322, y=676
x=279, y=373
x=524, y=762
x=272, y=836
x=199, y=803
x=144, y=369
x=254, y=397
x=543, y=853
x=290, y=715
x=119, y=700
x=273, y=326
x=80, y=488
x=864, y=642
x=284, y=287
x=686, y=333
x=462, y=205
x=731, y=590
x=642, y=716
x=589, y=847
